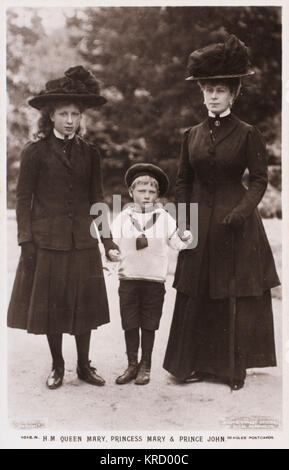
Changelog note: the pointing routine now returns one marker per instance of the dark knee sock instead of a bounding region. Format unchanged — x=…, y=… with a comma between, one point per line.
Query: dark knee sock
x=147, y=344
x=55, y=345
x=82, y=346
x=132, y=340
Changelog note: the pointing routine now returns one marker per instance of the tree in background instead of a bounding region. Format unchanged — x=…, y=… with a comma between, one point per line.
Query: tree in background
x=139, y=54
x=33, y=57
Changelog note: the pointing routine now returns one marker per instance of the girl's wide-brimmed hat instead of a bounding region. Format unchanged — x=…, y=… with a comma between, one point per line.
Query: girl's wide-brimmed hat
x=78, y=84
x=141, y=169
x=220, y=60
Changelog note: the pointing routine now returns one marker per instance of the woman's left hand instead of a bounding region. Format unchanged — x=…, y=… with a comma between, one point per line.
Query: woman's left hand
x=233, y=221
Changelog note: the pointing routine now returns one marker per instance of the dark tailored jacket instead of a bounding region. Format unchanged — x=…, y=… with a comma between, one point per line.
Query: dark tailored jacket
x=55, y=194
x=210, y=174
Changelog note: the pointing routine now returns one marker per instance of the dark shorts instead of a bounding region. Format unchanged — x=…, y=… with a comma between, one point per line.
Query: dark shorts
x=141, y=304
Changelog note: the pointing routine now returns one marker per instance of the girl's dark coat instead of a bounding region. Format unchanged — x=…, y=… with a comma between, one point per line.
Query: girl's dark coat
x=65, y=291
x=210, y=174
x=55, y=194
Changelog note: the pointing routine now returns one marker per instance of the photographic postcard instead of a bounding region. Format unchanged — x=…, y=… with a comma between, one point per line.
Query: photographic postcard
x=138, y=51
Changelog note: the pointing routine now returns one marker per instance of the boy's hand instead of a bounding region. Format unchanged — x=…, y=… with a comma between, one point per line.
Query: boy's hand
x=186, y=236
x=114, y=255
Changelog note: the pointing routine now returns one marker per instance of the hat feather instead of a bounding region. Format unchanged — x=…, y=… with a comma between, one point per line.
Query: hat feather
x=226, y=58
x=236, y=59
x=78, y=84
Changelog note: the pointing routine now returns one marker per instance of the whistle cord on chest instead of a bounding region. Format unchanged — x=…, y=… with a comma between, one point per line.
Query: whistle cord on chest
x=142, y=241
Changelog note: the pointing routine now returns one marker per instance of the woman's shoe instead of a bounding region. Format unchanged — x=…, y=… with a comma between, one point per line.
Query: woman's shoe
x=88, y=374
x=55, y=378
x=131, y=372
x=194, y=377
x=237, y=385
x=143, y=376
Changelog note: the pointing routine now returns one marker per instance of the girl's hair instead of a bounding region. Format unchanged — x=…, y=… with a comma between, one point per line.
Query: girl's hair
x=234, y=84
x=45, y=125
x=145, y=179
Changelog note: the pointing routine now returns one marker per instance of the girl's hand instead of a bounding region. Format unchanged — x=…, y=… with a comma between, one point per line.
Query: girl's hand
x=114, y=255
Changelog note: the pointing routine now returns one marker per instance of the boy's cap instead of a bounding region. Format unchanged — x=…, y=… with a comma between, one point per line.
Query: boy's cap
x=141, y=169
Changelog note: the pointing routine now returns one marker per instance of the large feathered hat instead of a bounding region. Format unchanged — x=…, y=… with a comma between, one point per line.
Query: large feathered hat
x=77, y=84
x=220, y=60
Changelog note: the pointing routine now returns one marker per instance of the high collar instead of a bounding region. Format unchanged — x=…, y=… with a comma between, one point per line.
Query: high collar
x=226, y=126
x=61, y=136
x=223, y=114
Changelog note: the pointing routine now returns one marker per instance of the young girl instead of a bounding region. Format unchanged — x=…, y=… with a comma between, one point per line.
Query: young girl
x=59, y=286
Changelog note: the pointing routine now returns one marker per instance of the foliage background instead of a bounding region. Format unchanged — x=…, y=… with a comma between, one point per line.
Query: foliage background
x=139, y=55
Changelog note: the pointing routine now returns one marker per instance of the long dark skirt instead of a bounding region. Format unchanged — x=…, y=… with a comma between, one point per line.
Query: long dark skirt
x=199, y=336
x=65, y=293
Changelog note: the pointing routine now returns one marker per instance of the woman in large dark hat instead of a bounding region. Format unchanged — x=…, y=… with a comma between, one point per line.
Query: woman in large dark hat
x=59, y=285
x=222, y=322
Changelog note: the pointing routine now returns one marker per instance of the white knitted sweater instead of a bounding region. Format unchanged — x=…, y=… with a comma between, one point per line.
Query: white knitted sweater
x=150, y=263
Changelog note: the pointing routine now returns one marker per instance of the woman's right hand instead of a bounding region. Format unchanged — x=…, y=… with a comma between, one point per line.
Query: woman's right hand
x=28, y=254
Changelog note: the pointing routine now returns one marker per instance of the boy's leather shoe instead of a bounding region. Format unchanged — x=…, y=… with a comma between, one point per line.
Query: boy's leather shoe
x=131, y=372
x=88, y=374
x=143, y=375
x=55, y=378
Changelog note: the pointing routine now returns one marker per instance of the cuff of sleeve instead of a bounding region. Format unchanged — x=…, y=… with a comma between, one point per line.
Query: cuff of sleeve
x=239, y=215
x=24, y=237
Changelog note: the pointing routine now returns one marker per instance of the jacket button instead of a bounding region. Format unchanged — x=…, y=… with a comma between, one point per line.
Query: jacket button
x=70, y=186
x=70, y=215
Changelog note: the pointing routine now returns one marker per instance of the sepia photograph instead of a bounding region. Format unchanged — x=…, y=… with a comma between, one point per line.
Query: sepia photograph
x=144, y=188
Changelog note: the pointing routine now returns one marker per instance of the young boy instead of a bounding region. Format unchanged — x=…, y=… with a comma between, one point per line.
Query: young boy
x=143, y=232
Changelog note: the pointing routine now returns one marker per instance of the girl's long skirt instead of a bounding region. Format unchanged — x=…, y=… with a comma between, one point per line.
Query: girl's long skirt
x=65, y=293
